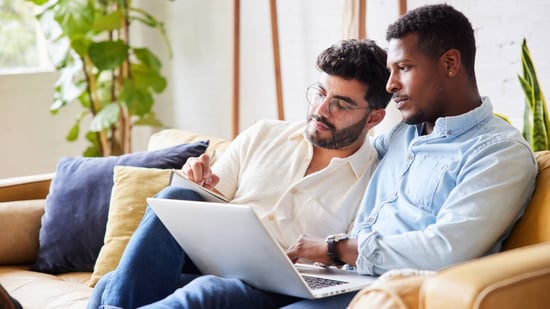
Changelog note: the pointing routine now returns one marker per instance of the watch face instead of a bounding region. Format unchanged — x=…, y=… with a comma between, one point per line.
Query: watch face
x=338, y=237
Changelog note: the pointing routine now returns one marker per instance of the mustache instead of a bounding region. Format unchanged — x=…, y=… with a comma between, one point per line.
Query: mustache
x=324, y=121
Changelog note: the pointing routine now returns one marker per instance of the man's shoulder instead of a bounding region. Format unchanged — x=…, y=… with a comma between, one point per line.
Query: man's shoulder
x=276, y=127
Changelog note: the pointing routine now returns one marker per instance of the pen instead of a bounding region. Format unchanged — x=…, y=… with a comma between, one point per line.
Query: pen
x=209, y=161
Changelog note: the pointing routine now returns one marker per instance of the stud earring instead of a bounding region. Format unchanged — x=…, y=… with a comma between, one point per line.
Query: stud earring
x=450, y=74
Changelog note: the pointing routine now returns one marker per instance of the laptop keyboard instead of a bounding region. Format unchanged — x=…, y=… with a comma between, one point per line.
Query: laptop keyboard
x=319, y=283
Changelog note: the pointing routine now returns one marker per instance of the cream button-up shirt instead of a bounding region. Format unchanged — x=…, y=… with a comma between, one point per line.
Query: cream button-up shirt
x=265, y=166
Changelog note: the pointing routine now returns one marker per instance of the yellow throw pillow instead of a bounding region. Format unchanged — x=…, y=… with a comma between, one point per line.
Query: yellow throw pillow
x=132, y=185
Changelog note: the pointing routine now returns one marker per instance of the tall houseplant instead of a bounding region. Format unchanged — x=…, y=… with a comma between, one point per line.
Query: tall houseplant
x=536, y=123
x=113, y=81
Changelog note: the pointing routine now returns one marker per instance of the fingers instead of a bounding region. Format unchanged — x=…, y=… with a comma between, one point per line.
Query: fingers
x=197, y=169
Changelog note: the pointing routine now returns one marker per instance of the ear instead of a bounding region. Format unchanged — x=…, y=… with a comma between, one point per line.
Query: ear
x=451, y=62
x=375, y=117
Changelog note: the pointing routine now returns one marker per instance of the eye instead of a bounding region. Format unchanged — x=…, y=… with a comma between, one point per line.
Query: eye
x=340, y=105
x=404, y=68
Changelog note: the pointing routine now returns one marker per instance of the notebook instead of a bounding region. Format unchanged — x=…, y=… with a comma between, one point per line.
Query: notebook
x=229, y=240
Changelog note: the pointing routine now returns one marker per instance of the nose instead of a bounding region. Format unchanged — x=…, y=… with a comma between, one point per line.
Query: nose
x=393, y=83
x=323, y=109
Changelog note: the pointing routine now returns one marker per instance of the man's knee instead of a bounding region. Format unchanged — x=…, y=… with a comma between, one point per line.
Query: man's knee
x=178, y=193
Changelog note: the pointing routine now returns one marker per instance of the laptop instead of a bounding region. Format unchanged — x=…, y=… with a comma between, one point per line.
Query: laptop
x=229, y=240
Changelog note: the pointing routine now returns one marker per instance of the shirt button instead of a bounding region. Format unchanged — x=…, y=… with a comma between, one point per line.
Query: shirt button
x=293, y=191
x=271, y=217
x=370, y=219
x=449, y=132
x=410, y=157
x=394, y=194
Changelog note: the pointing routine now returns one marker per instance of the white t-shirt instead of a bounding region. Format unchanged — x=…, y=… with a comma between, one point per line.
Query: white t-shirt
x=265, y=166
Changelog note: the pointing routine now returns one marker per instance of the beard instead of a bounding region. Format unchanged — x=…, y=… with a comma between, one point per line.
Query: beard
x=339, y=138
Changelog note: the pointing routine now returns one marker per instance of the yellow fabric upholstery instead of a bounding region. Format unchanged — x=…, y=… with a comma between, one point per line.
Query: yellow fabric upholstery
x=534, y=226
x=518, y=278
x=132, y=185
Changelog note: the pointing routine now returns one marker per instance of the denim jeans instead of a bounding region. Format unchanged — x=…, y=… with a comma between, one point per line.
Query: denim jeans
x=154, y=272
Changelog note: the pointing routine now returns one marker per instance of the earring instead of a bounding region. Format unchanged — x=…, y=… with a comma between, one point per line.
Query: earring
x=450, y=74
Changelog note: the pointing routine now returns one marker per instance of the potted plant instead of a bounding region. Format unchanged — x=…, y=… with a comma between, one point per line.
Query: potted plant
x=113, y=81
x=536, y=124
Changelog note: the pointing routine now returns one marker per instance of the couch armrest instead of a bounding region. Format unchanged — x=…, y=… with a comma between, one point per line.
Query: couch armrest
x=517, y=278
x=25, y=188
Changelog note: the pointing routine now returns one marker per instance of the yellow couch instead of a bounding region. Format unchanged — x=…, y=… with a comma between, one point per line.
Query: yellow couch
x=22, y=202
x=518, y=277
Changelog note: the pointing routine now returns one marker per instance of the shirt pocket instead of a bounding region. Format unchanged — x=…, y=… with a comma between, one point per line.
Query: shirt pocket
x=423, y=180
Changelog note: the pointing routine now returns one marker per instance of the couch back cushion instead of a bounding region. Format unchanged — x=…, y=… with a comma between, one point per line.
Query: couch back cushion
x=533, y=227
x=19, y=225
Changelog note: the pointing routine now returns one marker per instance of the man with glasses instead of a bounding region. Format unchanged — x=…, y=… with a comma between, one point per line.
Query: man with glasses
x=301, y=178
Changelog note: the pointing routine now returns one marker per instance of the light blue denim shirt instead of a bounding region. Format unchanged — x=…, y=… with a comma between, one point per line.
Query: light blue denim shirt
x=446, y=197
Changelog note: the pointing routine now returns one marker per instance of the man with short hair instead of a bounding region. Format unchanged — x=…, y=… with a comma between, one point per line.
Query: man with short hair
x=306, y=177
x=453, y=178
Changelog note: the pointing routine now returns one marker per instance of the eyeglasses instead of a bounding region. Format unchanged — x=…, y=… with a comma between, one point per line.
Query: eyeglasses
x=336, y=107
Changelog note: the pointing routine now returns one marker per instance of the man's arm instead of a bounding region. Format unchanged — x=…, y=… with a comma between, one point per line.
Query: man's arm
x=315, y=249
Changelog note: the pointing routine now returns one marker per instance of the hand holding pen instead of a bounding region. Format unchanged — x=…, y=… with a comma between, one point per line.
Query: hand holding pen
x=198, y=170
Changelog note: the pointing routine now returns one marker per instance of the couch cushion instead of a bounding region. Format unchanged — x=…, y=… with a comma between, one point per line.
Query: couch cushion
x=19, y=226
x=73, y=225
x=36, y=290
x=132, y=185
x=170, y=137
x=395, y=289
x=533, y=227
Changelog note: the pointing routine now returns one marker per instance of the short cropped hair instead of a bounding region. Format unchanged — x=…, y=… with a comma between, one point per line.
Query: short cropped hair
x=439, y=27
x=363, y=61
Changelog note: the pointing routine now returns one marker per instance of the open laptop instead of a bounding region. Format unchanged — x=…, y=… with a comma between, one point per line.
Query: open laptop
x=229, y=240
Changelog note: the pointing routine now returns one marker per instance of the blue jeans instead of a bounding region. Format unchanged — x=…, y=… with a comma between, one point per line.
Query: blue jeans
x=155, y=272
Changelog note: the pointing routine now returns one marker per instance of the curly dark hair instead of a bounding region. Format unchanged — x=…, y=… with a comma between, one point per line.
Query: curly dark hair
x=440, y=27
x=361, y=60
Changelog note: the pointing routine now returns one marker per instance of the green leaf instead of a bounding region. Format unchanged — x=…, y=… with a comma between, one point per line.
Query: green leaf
x=81, y=45
x=38, y=2
x=106, y=118
x=76, y=17
x=107, y=55
x=145, y=56
x=138, y=99
x=536, y=127
x=144, y=77
x=93, y=149
x=109, y=22
x=149, y=120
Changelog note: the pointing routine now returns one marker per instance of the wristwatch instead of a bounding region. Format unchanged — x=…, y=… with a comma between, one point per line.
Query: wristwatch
x=331, y=242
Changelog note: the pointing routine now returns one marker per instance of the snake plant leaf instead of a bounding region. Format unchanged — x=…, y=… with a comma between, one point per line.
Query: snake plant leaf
x=105, y=118
x=107, y=55
x=536, y=128
x=76, y=17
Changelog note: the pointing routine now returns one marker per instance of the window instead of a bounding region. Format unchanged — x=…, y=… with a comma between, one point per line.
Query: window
x=23, y=46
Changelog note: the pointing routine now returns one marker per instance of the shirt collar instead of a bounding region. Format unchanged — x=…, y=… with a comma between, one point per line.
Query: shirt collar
x=456, y=125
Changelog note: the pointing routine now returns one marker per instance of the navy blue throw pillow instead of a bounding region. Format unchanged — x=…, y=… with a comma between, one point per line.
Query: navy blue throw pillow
x=77, y=205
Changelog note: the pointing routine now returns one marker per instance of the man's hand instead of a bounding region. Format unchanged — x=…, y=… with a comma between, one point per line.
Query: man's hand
x=197, y=169
x=309, y=248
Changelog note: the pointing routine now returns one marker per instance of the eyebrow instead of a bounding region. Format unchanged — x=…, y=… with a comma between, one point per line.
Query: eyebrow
x=339, y=97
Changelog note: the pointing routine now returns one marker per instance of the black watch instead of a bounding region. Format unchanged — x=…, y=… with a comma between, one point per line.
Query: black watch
x=332, y=253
